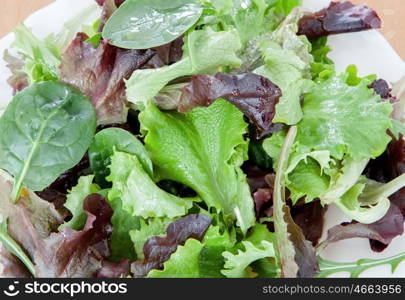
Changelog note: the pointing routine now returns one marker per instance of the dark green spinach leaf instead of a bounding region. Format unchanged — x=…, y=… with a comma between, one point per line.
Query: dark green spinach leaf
x=144, y=24
x=45, y=130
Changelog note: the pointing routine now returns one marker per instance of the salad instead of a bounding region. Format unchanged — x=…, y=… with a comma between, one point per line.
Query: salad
x=196, y=138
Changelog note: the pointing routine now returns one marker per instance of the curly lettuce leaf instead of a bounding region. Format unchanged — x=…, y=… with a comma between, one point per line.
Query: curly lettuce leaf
x=197, y=257
x=236, y=264
x=287, y=63
x=139, y=194
x=322, y=66
x=367, y=201
x=333, y=144
x=182, y=264
x=339, y=116
x=307, y=180
x=284, y=7
x=99, y=74
x=250, y=18
x=350, y=205
x=147, y=229
x=203, y=149
x=257, y=235
x=42, y=57
x=210, y=260
x=254, y=95
x=103, y=146
x=158, y=249
x=75, y=200
x=205, y=51
x=305, y=176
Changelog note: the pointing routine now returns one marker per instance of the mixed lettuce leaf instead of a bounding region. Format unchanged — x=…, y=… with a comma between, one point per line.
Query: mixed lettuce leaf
x=204, y=150
x=206, y=141
x=205, y=51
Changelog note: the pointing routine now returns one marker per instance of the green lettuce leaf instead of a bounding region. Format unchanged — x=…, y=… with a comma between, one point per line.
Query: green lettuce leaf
x=123, y=224
x=211, y=262
x=42, y=57
x=350, y=205
x=106, y=142
x=75, y=200
x=367, y=201
x=323, y=66
x=305, y=176
x=139, y=194
x=339, y=117
x=265, y=267
x=343, y=179
x=287, y=63
x=205, y=51
x=182, y=264
x=236, y=264
x=273, y=144
x=250, y=18
x=284, y=7
x=307, y=180
x=333, y=144
x=203, y=149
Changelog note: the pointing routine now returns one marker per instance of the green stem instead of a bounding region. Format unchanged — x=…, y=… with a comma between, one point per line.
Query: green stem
x=15, y=249
x=287, y=257
x=385, y=190
x=351, y=173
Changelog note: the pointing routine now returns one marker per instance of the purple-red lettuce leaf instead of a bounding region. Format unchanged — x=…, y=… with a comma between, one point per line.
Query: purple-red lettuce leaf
x=117, y=2
x=71, y=253
x=18, y=80
x=390, y=164
x=33, y=223
x=114, y=269
x=255, y=95
x=99, y=73
x=387, y=167
x=31, y=219
x=11, y=266
x=256, y=177
x=305, y=254
x=339, y=17
x=263, y=202
x=158, y=249
x=109, y=7
x=382, y=88
x=380, y=233
x=167, y=54
x=310, y=218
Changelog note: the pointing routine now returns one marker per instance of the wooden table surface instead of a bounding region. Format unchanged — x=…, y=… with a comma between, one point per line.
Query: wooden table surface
x=391, y=11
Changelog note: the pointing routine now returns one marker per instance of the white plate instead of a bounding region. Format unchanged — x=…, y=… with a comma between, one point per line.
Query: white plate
x=368, y=50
